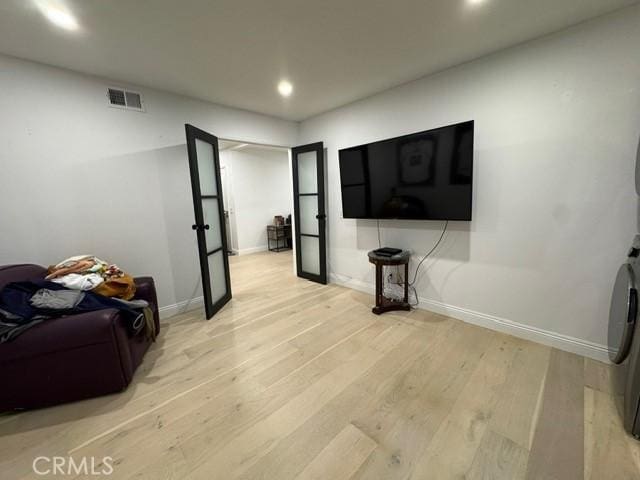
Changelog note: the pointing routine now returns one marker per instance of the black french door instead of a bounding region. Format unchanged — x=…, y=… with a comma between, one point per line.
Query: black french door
x=309, y=211
x=206, y=188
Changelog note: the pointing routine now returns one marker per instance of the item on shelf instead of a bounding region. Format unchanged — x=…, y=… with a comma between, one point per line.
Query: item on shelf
x=280, y=235
x=278, y=220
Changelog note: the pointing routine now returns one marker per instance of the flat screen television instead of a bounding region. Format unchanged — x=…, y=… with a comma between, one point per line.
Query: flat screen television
x=422, y=176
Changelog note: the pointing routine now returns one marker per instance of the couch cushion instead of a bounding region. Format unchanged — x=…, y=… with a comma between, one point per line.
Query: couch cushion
x=64, y=333
x=59, y=377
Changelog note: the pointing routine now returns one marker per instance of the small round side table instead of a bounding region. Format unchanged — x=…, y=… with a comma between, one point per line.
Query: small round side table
x=384, y=304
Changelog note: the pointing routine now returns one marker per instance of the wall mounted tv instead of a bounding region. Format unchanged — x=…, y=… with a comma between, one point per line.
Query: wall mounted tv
x=422, y=176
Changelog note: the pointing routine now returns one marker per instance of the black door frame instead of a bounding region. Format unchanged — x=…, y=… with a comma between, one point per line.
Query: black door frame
x=317, y=147
x=192, y=134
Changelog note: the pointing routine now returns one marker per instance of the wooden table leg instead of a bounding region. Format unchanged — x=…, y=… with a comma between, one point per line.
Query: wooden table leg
x=406, y=283
x=379, y=287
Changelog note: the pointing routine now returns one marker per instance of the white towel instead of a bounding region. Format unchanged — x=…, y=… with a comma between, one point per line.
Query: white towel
x=77, y=281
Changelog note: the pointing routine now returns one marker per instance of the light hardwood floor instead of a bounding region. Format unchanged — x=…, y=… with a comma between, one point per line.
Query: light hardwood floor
x=295, y=380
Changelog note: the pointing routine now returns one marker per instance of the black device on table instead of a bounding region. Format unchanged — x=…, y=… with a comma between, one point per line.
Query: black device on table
x=387, y=251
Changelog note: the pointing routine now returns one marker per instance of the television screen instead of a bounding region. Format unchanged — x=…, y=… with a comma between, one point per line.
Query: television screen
x=422, y=176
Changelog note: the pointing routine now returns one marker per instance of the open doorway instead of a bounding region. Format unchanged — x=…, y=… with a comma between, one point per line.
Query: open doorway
x=258, y=197
x=243, y=196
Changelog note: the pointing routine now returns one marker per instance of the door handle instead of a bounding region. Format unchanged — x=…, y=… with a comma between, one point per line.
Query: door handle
x=200, y=227
x=321, y=217
x=206, y=227
x=194, y=227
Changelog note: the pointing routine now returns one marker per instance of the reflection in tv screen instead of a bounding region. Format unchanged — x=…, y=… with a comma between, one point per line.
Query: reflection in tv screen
x=422, y=176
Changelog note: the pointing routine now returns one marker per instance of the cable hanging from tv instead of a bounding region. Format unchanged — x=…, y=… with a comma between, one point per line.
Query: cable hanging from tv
x=415, y=276
x=411, y=284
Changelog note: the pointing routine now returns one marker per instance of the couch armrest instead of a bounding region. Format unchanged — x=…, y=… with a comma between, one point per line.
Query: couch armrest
x=20, y=273
x=146, y=290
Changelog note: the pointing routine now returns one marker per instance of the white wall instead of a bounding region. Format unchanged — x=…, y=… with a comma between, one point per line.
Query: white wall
x=80, y=177
x=261, y=189
x=557, y=124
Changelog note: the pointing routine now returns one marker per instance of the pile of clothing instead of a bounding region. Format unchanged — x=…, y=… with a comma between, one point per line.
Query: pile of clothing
x=87, y=272
x=78, y=284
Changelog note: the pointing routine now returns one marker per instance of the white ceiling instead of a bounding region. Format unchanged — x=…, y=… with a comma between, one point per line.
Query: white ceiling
x=234, y=52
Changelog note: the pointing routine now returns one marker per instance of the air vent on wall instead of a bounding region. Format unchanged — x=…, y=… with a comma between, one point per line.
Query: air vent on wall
x=126, y=99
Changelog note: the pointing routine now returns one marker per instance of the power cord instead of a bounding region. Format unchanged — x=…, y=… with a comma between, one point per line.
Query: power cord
x=415, y=276
x=411, y=285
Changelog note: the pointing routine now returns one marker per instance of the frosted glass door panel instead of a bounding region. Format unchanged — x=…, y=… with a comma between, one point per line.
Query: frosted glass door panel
x=307, y=173
x=310, y=253
x=206, y=168
x=209, y=224
x=308, y=212
x=217, y=276
x=211, y=214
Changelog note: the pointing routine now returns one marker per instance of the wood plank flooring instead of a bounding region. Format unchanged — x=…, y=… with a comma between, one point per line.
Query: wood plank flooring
x=295, y=380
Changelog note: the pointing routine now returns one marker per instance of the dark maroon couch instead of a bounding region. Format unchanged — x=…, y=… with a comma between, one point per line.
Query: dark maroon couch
x=73, y=357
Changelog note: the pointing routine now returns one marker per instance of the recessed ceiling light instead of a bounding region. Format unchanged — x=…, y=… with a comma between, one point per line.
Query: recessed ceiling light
x=57, y=14
x=475, y=2
x=285, y=88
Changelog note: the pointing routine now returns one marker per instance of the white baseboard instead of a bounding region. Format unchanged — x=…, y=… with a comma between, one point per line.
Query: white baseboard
x=545, y=337
x=247, y=251
x=180, y=307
